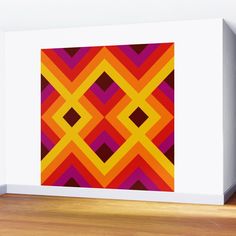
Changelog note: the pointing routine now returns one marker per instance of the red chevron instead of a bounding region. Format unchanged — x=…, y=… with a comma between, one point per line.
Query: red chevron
x=71, y=160
x=163, y=135
x=49, y=101
x=104, y=125
x=139, y=162
x=61, y=64
x=161, y=97
x=138, y=72
x=107, y=107
x=49, y=132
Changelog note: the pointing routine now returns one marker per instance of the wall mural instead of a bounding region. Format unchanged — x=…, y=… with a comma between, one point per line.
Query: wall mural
x=107, y=117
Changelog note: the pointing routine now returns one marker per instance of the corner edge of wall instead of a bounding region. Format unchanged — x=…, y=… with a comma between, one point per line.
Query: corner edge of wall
x=229, y=192
x=3, y=189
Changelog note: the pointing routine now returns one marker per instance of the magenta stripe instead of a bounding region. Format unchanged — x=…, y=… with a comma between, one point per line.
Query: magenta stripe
x=71, y=173
x=71, y=61
x=46, y=141
x=164, y=147
x=104, y=138
x=169, y=92
x=104, y=96
x=46, y=92
x=138, y=59
x=138, y=175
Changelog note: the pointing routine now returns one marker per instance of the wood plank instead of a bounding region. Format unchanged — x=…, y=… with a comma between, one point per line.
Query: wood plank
x=59, y=216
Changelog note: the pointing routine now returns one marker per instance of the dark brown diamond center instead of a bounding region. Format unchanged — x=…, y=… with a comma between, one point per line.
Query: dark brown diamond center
x=71, y=51
x=104, y=152
x=138, y=117
x=71, y=117
x=104, y=81
x=138, y=48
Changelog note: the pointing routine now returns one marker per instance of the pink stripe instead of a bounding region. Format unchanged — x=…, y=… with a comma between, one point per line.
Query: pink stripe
x=164, y=147
x=138, y=59
x=46, y=92
x=169, y=92
x=71, y=173
x=138, y=175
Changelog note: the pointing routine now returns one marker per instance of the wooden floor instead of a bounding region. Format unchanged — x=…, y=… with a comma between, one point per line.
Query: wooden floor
x=56, y=216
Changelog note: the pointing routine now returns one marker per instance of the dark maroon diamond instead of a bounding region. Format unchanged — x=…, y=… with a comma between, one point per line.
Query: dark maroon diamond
x=44, y=82
x=138, y=186
x=104, y=152
x=170, y=79
x=138, y=117
x=71, y=183
x=71, y=117
x=71, y=51
x=138, y=48
x=104, y=81
x=44, y=151
x=170, y=154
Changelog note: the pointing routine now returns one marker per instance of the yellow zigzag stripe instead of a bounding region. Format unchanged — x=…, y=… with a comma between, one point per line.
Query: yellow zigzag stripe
x=138, y=134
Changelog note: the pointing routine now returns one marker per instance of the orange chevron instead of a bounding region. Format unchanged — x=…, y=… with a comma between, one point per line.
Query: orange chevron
x=71, y=148
x=139, y=149
x=49, y=101
x=96, y=117
x=71, y=73
x=105, y=180
x=47, y=117
x=125, y=73
x=166, y=117
x=72, y=160
x=166, y=57
x=139, y=162
x=138, y=72
x=112, y=117
x=72, y=86
x=55, y=70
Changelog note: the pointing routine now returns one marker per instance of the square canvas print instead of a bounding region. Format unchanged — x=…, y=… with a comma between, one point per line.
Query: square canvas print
x=107, y=117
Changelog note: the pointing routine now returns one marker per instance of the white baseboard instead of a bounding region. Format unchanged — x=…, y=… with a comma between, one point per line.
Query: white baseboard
x=117, y=194
x=3, y=189
x=229, y=192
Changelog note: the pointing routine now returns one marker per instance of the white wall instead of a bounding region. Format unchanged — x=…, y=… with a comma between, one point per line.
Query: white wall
x=229, y=92
x=198, y=96
x=27, y=14
x=2, y=161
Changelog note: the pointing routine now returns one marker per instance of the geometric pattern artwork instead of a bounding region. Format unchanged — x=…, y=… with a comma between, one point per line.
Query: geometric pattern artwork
x=107, y=117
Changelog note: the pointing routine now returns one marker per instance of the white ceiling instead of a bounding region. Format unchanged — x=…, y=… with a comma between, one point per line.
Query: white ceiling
x=45, y=14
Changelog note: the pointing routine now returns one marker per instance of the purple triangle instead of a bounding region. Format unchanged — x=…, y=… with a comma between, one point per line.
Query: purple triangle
x=46, y=141
x=104, y=138
x=102, y=95
x=71, y=61
x=167, y=143
x=165, y=88
x=138, y=175
x=46, y=92
x=71, y=172
x=138, y=59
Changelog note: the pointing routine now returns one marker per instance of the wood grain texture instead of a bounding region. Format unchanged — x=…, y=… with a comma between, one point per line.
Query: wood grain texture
x=58, y=216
